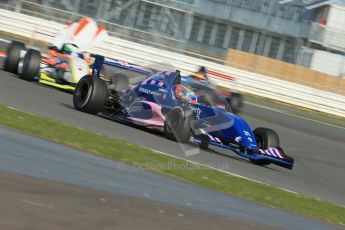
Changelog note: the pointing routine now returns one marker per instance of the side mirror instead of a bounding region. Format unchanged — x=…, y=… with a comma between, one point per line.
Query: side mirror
x=177, y=79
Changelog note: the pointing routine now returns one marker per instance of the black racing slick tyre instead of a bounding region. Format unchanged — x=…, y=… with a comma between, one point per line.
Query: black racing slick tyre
x=31, y=65
x=265, y=138
x=13, y=56
x=177, y=125
x=90, y=94
x=235, y=102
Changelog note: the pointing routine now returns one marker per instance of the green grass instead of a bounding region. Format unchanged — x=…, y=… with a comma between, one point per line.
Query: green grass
x=135, y=155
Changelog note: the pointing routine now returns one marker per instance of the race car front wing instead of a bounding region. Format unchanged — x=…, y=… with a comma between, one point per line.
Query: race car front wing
x=275, y=155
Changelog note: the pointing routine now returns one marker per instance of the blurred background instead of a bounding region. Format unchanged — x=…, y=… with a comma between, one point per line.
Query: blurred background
x=294, y=40
x=285, y=56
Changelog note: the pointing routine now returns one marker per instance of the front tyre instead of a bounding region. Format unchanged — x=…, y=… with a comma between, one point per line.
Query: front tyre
x=90, y=94
x=265, y=138
x=31, y=65
x=177, y=125
x=13, y=56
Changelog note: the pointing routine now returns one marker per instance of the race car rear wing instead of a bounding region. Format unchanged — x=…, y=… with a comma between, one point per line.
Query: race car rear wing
x=101, y=60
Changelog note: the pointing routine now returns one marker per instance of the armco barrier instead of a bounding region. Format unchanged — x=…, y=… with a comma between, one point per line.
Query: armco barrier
x=247, y=82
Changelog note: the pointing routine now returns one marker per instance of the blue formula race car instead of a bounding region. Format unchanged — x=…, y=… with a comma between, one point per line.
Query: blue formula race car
x=183, y=109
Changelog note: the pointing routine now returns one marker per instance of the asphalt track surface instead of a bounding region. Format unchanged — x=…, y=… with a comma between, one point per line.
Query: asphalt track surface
x=318, y=149
x=39, y=204
x=64, y=188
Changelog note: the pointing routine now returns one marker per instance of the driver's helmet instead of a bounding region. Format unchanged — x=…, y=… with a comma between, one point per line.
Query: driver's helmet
x=201, y=75
x=185, y=92
x=70, y=49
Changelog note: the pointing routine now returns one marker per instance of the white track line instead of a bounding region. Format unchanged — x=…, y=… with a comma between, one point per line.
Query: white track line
x=4, y=40
x=210, y=167
x=37, y=204
x=21, y=110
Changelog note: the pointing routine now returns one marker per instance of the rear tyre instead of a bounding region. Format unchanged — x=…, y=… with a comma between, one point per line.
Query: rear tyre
x=13, y=56
x=235, y=102
x=90, y=94
x=177, y=125
x=265, y=138
x=31, y=65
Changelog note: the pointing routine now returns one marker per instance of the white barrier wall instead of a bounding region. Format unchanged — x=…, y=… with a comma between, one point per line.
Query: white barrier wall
x=247, y=82
x=329, y=63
